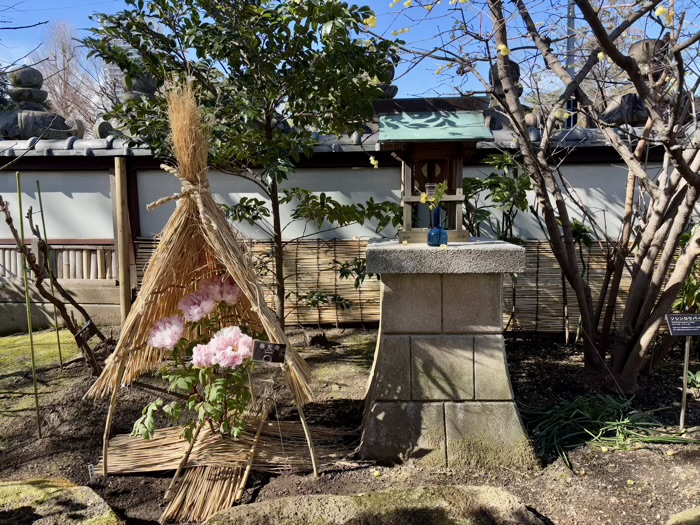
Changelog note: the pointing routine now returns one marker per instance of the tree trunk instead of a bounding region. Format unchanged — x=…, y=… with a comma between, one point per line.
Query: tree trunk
x=277, y=245
x=637, y=348
x=278, y=252
x=540, y=172
x=661, y=350
x=622, y=249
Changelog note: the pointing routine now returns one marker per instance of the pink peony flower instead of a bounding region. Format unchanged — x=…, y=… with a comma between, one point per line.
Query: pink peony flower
x=245, y=346
x=230, y=292
x=197, y=305
x=226, y=338
x=167, y=332
x=222, y=289
x=203, y=356
x=229, y=358
x=231, y=346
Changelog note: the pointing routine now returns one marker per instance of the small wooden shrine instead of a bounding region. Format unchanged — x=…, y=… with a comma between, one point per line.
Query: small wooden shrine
x=432, y=138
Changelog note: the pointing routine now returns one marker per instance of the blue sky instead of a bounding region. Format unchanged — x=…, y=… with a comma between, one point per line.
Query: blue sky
x=424, y=25
x=15, y=44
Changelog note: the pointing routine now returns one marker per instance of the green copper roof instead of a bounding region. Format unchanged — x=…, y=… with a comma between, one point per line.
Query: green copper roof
x=432, y=126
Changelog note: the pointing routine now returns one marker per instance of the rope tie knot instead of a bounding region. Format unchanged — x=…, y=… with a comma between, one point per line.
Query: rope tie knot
x=188, y=189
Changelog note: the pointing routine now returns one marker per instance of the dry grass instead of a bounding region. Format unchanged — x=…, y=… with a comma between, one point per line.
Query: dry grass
x=221, y=484
x=189, y=136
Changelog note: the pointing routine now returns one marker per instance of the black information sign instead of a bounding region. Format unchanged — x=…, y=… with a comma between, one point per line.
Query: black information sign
x=683, y=324
x=85, y=333
x=268, y=352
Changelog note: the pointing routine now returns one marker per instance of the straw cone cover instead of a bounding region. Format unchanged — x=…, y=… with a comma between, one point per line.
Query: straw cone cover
x=197, y=243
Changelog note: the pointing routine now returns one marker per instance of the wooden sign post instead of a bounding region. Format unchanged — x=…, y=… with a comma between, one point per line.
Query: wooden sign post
x=686, y=325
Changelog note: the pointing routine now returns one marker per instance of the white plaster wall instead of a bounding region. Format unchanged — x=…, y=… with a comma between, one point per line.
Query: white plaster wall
x=600, y=187
x=77, y=205
x=346, y=185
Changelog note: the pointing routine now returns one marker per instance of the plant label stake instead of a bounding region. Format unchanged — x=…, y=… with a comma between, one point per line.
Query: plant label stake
x=686, y=325
x=267, y=352
x=85, y=333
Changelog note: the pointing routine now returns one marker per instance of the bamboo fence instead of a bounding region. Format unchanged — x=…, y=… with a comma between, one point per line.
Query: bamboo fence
x=537, y=300
x=309, y=266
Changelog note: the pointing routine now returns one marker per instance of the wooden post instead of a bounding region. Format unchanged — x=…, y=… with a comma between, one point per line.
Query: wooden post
x=123, y=234
x=86, y=264
x=65, y=258
x=101, y=271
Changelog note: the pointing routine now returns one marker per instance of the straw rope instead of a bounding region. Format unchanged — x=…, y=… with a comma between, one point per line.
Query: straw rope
x=187, y=190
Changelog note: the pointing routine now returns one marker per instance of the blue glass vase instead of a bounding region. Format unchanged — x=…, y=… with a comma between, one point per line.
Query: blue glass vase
x=437, y=235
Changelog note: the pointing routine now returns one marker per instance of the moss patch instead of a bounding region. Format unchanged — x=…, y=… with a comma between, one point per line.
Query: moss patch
x=15, y=353
x=436, y=505
x=687, y=517
x=109, y=518
x=57, y=499
x=473, y=452
x=30, y=492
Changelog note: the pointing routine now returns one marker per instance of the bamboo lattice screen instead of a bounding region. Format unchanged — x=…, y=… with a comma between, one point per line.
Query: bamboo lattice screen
x=309, y=267
x=543, y=302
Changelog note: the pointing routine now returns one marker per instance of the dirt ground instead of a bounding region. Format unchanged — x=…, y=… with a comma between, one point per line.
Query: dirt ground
x=616, y=487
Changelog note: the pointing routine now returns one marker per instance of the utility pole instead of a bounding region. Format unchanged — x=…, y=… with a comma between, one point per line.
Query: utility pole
x=571, y=106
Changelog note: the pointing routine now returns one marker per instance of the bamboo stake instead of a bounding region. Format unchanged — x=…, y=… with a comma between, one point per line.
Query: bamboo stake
x=304, y=424
x=308, y=439
x=48, y=263
x=110, y=416
x=249, y=465
x=29, y=307
x=183, y=462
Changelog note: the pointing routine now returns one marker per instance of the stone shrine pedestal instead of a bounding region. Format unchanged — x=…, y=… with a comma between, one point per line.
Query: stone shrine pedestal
x=439, y=389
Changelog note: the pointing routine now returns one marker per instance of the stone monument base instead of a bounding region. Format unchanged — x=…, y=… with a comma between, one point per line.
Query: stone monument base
x=439, y=389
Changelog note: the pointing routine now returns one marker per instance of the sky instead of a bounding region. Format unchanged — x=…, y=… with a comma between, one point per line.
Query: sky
x=420, y=81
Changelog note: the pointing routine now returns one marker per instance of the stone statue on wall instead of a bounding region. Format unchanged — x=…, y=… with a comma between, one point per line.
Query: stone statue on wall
x=389, y=90
x=30, y=117
x=625, y=109
x=651, y=55
x=138, y=87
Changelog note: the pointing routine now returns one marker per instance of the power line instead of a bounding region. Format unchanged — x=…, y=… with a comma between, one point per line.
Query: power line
x=67, y=6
